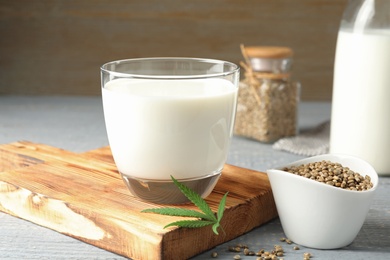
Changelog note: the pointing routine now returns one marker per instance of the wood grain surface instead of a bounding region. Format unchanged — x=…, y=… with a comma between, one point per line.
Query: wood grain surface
x=56, y=47
x=83, y=196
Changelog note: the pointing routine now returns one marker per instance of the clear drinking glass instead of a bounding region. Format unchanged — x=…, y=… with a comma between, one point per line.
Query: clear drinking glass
x=169, y=117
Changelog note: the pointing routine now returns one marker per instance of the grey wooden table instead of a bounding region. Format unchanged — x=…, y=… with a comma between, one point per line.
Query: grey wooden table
x=77, y=124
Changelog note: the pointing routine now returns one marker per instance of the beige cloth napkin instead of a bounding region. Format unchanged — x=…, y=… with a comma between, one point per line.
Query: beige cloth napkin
x=308, y=143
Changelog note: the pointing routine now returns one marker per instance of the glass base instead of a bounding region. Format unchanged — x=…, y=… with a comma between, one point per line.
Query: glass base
x=166, y=192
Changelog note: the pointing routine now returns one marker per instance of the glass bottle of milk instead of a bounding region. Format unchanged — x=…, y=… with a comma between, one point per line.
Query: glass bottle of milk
x=360, y=122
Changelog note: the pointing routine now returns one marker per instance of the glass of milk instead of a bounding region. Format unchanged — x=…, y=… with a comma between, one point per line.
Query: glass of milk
x=169, y=117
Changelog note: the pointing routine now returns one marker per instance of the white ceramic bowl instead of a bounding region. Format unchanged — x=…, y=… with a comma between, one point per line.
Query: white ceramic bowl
x=318, y=215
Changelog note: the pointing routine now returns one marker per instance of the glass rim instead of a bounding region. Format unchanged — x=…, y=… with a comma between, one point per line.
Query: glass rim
x=235, y=68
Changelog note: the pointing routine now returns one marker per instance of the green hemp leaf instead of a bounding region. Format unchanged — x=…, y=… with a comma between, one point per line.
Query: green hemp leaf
x=205, y=217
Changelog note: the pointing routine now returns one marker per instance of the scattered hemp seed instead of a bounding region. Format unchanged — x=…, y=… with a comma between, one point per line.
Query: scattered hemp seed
x=278, y=250
x=234, y=249
x=248, y=252
x=251, y=253
x=260, y=252
x=333, y=174
x=214, y=254
x=277, y=253
x=241, y=245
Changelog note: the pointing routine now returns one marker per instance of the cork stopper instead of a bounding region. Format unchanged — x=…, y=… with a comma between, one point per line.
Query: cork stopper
x=267, y=61
x=268, y=52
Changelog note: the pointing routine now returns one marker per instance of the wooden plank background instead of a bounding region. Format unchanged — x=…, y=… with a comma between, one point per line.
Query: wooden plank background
x=55, y=47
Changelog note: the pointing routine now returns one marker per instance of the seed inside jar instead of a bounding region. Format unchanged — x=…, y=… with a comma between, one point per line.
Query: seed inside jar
x=333, y=174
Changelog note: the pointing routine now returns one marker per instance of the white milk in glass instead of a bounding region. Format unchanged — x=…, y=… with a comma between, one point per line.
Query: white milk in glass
x=159, y=128
x=361, y=108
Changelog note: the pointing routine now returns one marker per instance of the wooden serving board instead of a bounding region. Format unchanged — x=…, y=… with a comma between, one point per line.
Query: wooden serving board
x=83, y=196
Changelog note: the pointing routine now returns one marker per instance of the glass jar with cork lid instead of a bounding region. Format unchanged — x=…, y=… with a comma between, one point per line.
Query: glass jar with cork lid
x=268, y=97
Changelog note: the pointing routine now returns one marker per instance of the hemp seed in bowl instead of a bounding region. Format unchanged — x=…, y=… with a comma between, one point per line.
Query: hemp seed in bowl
x=333, y=174
x=317, y=215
